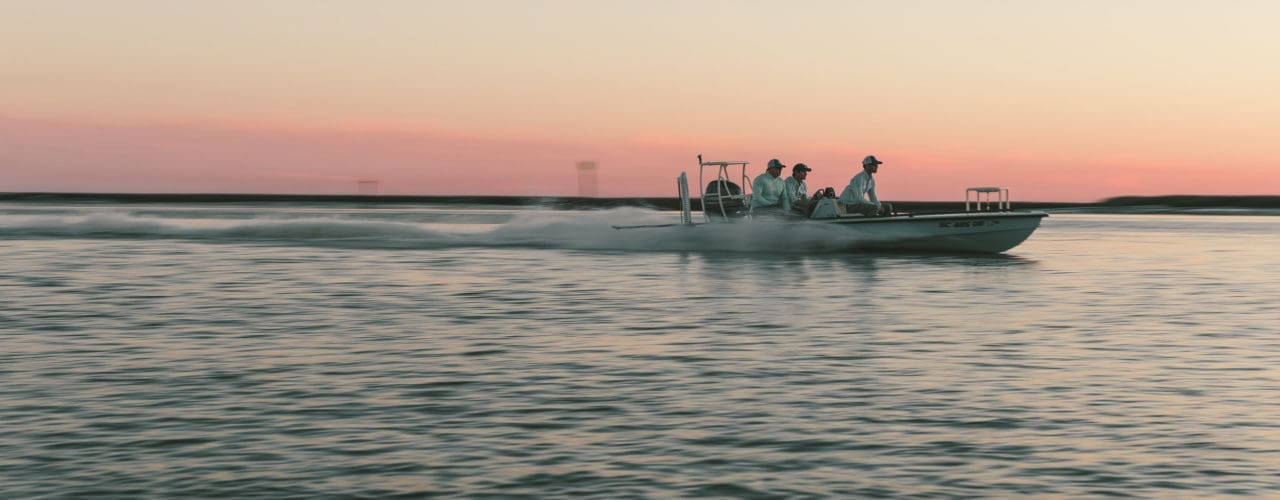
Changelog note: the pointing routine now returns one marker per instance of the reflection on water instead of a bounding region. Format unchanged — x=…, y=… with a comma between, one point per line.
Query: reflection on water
x=1106, y=356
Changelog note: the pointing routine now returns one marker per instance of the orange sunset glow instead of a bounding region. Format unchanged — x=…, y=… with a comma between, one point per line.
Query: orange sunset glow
x=1060, y=101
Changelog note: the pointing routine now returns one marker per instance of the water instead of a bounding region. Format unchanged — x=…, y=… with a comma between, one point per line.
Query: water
x=333, y=350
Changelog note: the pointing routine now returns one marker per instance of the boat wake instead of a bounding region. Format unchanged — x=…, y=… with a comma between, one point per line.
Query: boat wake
x=585, y=230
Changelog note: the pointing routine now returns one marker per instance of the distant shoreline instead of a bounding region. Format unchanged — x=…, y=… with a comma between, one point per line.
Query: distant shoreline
x=1128, y=204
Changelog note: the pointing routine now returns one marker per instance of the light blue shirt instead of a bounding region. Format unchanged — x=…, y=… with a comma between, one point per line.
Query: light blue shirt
x=797, y=190
x=769, y=191
x=860, y=191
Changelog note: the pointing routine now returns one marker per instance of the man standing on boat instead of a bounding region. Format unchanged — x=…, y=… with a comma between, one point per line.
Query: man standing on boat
x=797, y=190
x=769, y=192
x=860, y=195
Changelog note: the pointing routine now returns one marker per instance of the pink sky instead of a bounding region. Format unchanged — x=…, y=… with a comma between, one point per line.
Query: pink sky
x=1059, y=101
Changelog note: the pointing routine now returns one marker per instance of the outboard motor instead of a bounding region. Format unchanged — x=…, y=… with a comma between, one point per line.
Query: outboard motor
x=723, y=199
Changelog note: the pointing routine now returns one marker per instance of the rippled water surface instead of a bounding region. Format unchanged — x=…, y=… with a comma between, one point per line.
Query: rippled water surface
x=278, y=351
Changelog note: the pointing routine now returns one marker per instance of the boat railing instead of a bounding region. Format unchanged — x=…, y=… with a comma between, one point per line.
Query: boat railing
x=721, y=197
x=982, y=199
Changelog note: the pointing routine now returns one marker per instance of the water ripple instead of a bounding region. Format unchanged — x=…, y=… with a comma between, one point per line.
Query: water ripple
x=1098, y=362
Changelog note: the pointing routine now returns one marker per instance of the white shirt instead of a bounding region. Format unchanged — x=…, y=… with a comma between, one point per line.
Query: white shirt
x=769, y=191
x=797, y=190
x=860, y=191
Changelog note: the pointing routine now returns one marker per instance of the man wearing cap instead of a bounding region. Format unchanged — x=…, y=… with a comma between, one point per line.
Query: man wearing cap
x=797, y=190
x=769, y=191
x=860, y=195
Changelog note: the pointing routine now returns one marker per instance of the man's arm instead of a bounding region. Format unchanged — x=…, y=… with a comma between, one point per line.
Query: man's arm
x=757, y=192
x=857, y=191
x=794, y=191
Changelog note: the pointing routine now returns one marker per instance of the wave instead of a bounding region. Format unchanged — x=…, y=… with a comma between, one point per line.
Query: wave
x=589, y=230
x=110, y=225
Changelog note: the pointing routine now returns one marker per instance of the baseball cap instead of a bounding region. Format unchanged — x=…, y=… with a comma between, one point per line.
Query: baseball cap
x=870, y=160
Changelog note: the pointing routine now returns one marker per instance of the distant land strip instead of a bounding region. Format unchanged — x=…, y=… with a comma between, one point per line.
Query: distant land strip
x=1123, y=203
x=1194, y=201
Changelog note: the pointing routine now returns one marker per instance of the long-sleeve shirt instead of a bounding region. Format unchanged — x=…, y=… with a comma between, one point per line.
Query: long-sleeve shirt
x=796, y=190
x=860, y=191
x=769, y=191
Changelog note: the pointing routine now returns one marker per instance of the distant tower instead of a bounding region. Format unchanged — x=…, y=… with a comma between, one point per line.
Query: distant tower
x=367, y=186
x=587, y=179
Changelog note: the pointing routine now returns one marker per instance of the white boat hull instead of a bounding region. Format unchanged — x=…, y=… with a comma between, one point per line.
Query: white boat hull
x=992, y=228
x=983, y=232
x=971, y=232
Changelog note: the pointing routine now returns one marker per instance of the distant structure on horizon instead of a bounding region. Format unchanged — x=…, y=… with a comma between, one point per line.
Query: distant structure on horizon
x=588, y=181
x=367, y=186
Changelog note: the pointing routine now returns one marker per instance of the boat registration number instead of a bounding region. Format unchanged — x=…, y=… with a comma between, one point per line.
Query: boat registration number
x=970, y=223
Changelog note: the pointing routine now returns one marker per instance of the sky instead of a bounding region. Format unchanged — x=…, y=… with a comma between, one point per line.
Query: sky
x=1057, y=100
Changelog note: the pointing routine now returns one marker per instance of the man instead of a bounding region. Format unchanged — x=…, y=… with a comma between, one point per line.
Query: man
x=797, y=191
x=768, y=191
x=860, y=195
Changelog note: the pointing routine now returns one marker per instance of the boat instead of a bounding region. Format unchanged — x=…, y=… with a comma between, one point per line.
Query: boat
x=986, y=225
